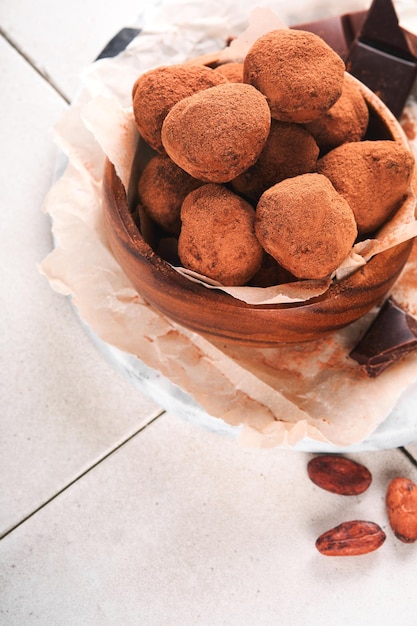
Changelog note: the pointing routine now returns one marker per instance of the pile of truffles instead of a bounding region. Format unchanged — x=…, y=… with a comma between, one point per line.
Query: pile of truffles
x=262, y=173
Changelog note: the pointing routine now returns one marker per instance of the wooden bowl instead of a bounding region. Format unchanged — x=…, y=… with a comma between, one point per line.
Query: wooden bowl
x=216, y=314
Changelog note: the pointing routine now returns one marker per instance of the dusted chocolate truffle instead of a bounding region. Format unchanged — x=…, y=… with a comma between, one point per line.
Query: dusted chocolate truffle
x=305, y=225
x=345, y=121
x=232, y=71
x=155, y=92
x=373, y=176
x=270, y=273
x=300, y=75
x=216, y=134
x=289, y=151
x=217, y=236
x=162, y=189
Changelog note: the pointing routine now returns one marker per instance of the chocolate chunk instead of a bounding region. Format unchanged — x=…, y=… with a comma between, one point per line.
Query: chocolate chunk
x=381, y=27
x=383, y=56
x=391, y=336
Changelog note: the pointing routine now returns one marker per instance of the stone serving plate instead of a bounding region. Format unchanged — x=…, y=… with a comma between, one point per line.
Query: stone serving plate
x=214, y=313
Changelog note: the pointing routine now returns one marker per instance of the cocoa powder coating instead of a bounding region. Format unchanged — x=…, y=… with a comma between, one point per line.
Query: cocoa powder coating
x=210, y=127
x=373, y=176
x=232, y=71
x=305, y=225
x=300, y=75
x=217, y=237
x=289, y=151
x=162, y=189
x=218, y=133
x=155, y=92
x=345, y=121
x=270, y=273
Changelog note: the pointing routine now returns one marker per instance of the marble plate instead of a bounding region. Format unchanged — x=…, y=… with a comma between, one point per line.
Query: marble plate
x=399, y=429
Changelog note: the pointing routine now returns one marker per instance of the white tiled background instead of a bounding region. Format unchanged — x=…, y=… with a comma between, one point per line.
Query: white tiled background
x=112, y=511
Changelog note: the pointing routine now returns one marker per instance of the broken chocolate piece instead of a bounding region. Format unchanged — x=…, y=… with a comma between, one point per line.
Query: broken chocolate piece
x=383, y=56
x=391, y=336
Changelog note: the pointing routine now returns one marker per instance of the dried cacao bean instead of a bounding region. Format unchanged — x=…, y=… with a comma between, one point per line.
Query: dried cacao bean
x=339, y=474
x=401, y=502
x=351, y=539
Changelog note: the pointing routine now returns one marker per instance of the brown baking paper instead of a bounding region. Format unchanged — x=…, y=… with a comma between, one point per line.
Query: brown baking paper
x=280, y=395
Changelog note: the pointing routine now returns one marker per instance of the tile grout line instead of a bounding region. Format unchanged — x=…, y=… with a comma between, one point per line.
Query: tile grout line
x=33, y=65
x=55, y=87
x=77, y=478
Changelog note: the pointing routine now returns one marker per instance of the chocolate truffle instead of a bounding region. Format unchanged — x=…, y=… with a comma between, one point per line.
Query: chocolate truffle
x=305, y=225
x=300, y=75
x=347, y=120
x=155, y=92
x=162, y=189
x=216, y=134
x=289, y=151
x=217, y=236
x=270, y=273
x=373, y=176
x=232, y=71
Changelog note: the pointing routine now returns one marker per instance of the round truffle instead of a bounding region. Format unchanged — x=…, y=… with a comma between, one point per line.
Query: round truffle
x=300, y=75
x=270, y=273
x=217, y=236
x=155, y=92
x=216, y=134
x=305, y=225
x=232, y=71
x=373, y=176
x=162, y=189
x=347, y=120
x=289, y=151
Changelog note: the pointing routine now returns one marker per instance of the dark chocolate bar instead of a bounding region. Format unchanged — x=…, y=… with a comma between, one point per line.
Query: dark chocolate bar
x=391, y=336
x=383, y=56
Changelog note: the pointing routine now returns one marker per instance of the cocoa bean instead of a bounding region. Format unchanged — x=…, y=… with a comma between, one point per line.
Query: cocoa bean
x=351, y=539
x=401, y=503
x=339, y=475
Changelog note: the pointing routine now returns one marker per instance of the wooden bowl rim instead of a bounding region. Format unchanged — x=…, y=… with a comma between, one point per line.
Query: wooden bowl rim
x=134, y=240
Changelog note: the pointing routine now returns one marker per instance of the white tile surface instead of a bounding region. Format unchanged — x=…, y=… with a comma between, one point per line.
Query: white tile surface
x=178, y=525
x=183, y=527
x=62, y=406
x=62, y=38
